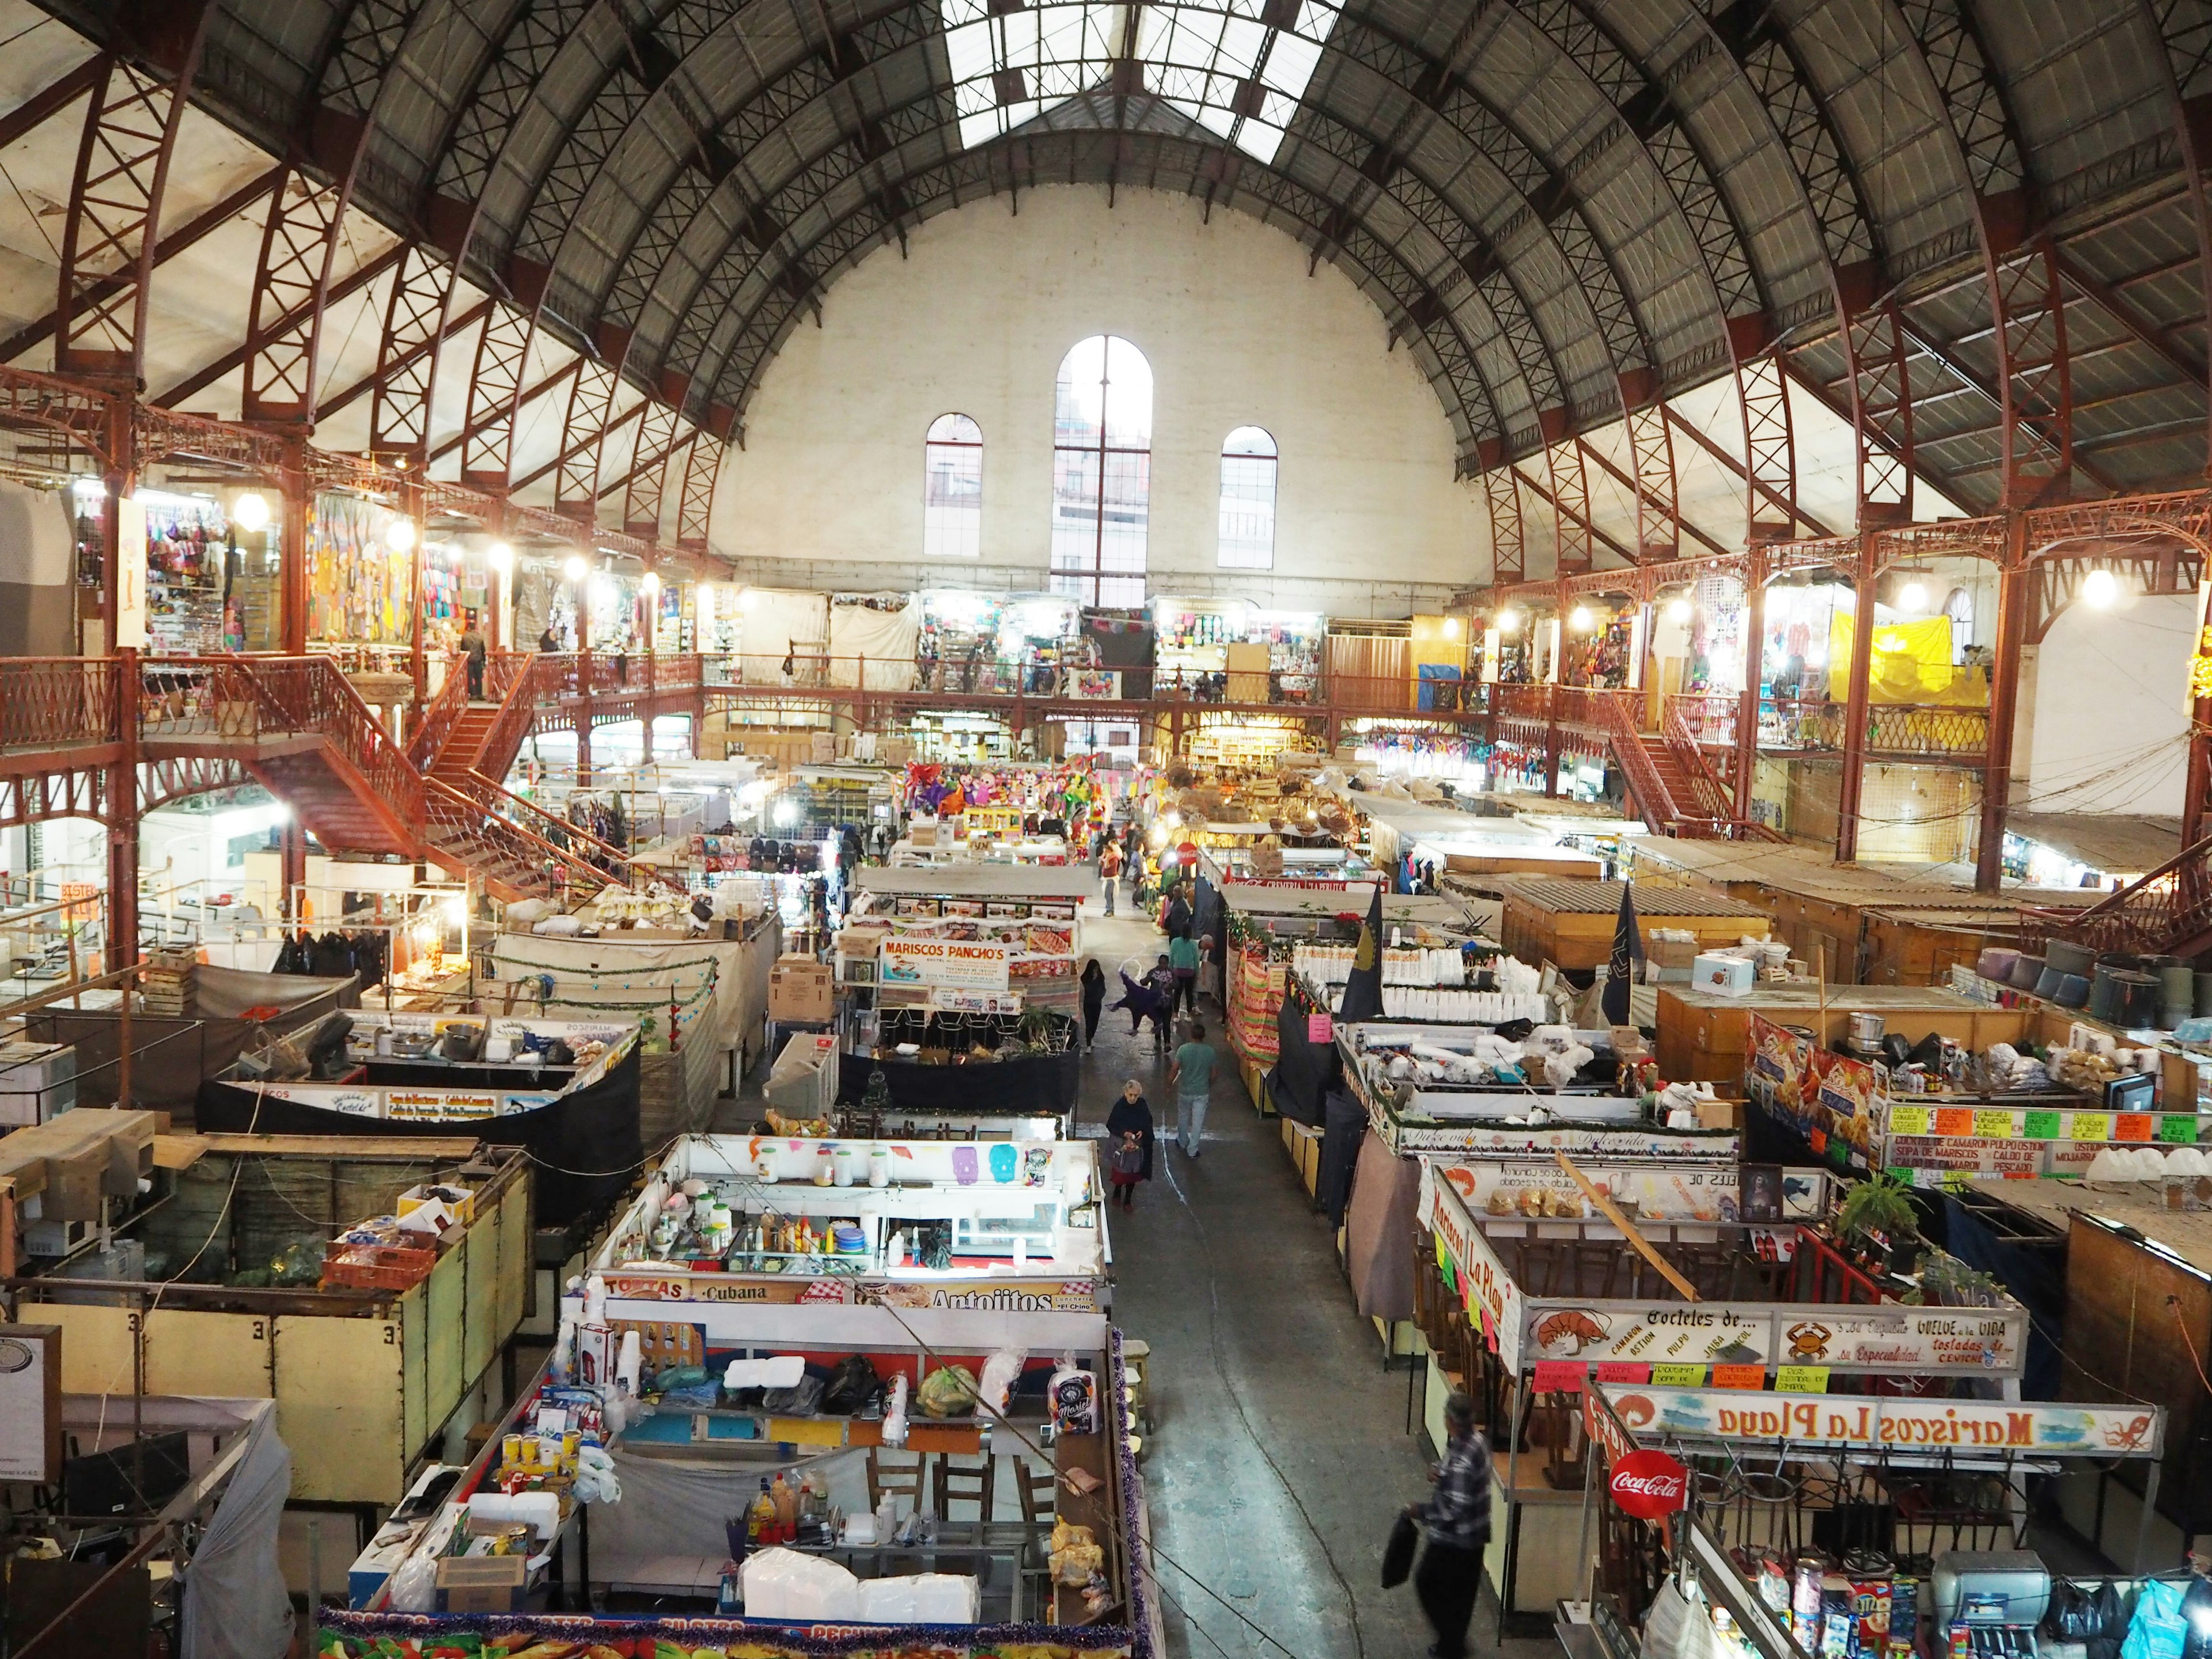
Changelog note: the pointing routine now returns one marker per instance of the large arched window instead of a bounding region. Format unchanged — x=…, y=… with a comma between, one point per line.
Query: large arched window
x=1248, y=500
x=952, y=489
x=1102, y=472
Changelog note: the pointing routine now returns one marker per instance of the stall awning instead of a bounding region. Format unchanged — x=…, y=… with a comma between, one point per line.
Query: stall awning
x=1006, y=881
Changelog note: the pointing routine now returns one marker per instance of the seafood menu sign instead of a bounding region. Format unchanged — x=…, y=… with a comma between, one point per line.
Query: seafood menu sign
x=1924, y=1426
x=1893, y=1337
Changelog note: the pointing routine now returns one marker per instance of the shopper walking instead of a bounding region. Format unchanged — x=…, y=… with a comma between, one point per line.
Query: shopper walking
x=1093, y=999
x=1457, y=1520
x=1192, y=1073
x=549, y=640
x=1110, y=872
x=1129, y=1141
x=1175, y=923
x=1182, y=957
x=473, y=648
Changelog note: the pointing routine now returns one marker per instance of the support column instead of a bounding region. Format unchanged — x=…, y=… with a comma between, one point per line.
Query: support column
x=292, y=870
x=123, y=822
x=2004, y=704
x=1852, y=780
x=411, y=503
x=652, y=652
x=2198, y=783
x=583, y=601
x=1552, y=739
x=298, y=503
x=120, y=479
x=1755, y=668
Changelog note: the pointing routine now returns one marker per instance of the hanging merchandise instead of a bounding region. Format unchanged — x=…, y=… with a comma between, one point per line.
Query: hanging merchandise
x=359, y=589
x=189, y=550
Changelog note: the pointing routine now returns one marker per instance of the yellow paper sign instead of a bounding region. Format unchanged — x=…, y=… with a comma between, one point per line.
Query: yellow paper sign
x=1800, y=1379
x=1908, y=1119
x=2090, y=1125
x=1678, y=1376
x=1994, y=1125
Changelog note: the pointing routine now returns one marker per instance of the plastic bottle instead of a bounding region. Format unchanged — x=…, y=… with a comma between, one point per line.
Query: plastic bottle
x=760, y=1522
x=786, y=1510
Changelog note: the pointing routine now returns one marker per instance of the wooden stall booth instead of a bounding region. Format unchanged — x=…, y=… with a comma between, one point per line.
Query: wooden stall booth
x=1569, y=921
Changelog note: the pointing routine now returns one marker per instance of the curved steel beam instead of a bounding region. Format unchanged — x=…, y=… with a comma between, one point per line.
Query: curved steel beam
x=2182, y=30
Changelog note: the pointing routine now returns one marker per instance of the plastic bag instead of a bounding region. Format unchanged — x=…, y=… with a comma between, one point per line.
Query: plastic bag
x=853, y=1386
x=2158, y=1629
x=415, y=1585
x=951, y=1391
x=999, y=1371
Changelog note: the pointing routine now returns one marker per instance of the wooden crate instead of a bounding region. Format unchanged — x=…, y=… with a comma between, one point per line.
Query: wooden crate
x=1701, y=1033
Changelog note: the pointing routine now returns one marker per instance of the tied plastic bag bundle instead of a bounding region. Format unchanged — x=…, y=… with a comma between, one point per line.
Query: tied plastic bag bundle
x=595, y=1482
x=999, y=1371
x=948, y=1391
x=415, y=1585
x=2159, y=1629
x=923, y=1598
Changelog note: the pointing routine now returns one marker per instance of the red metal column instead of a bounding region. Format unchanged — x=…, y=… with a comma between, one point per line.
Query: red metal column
x=1853, y=776
x=1754, y=662
x=298, y=490
x=583, y=599
x=123, y=822
x=2004, y=704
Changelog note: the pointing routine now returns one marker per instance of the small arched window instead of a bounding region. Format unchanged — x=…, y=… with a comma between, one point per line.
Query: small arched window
x=952, y=489
x=1248, y=500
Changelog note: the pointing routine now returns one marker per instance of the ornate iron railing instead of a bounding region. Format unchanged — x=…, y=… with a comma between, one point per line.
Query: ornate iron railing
x=51, y=702
x=2166, y=912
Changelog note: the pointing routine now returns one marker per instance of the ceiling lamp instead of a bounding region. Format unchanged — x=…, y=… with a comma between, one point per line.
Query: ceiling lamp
x=399, y=535
x=250, y=512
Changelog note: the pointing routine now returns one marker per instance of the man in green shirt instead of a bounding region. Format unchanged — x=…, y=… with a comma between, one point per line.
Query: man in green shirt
x=1192, y=1073
x=1182, y=957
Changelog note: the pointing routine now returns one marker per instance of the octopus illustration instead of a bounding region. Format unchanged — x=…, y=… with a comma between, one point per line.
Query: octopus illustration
x=1572, y=1330
x=2129, y=1438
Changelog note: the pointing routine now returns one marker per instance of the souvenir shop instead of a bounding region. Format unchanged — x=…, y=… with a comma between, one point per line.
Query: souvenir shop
x=1603, y=643
x=856, y=1396
x=361, y=570
x=1227, y=651
x=212, y=582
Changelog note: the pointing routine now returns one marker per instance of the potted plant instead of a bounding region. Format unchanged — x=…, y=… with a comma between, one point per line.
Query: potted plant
x=1878, y=1213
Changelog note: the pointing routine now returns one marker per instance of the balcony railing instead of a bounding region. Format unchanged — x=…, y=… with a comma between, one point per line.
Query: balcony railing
x=51, y=702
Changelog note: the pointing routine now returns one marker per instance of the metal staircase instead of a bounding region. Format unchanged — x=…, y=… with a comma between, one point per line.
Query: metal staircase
x=1675, y=789
x=298, y=728
x=2167, y=912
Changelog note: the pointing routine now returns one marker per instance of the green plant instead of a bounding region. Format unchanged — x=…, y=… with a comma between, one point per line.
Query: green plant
x=1880, y=1204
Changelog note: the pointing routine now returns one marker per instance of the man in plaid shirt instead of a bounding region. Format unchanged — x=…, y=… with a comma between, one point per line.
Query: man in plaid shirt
x=1456, y=1519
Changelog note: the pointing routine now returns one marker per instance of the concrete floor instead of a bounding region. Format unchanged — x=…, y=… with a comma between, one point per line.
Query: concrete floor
x=1278, y=1456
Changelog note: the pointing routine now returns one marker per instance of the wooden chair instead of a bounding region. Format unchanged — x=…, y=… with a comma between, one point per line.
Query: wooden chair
x=1038, y=1488
x=900, y=1480
x=966, y=1483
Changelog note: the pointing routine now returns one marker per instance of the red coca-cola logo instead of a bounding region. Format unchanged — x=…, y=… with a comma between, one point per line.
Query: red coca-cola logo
x=1649, y=1485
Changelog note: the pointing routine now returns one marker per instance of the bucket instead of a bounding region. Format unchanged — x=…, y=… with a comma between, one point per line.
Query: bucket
x=2067, y=956
x=2048, y=982
x=2104, y=993
x=2137, y=1004
x=2026, y=969
x=1996, y=963
x=2073, y=991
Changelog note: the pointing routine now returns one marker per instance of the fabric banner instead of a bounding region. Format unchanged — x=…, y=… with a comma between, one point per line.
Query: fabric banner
x=882, y=641
x=779, y=622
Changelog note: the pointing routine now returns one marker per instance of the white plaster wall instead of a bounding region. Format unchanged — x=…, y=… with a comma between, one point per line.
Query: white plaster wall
x=976, y=319
x=2111, y=716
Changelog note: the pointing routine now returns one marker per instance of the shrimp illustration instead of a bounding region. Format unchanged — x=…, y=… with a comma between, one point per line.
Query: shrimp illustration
x=1572, y=1327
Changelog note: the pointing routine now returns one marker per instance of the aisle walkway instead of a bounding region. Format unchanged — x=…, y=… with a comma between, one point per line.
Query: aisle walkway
x=1278, y=1455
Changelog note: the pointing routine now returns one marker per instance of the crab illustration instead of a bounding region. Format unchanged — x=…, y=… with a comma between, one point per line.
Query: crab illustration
x=1809, y=1340
x=1572, y=1327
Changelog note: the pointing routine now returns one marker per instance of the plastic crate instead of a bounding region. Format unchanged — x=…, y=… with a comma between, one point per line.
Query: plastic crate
x=376, y=1267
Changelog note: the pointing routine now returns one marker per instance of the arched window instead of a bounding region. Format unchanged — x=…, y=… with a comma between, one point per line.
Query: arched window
x=1248, y=500
x=1102, y=472
x=952, y=489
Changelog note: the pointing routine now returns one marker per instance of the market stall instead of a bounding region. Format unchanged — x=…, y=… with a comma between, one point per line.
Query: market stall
x=839, y=1414
x=565, y=1091
x=1227, y=651
x=991, y=928
x=1570, y=922
x=261, y=1270
x=1729, y=1315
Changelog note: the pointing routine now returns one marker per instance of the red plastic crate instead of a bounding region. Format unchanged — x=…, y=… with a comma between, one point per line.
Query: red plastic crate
x=376, y=1266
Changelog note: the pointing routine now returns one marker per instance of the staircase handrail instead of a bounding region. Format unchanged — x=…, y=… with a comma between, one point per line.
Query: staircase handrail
x=521, y=810
x=311, y=694
x=1654, y=801
x=438, y=717
x=447, y=807
x=538, y=679
x=1715, y=800
x=2165, y=911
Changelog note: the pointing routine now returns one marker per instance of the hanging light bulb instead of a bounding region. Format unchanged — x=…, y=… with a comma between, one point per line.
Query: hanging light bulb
x=399, y=535
x=1678, y=611
x=1451, y=628
x=650, y=584
x=1912, y=598
x=501, y=556
x=576, y=569
x=1508, y=621
x=250, y=512
x=2099, y=589
x=1580, y=620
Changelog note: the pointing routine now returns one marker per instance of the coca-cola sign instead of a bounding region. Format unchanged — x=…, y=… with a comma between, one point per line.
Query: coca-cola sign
x=1649, y=1485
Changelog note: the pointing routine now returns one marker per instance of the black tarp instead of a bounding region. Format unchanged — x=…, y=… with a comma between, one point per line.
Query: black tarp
x=1124, y=642
x=584, y=1146
x=2036, y=1277
x=1344, y=1127
x=1305, y=1071
x=170, y=1056
x=1029, y=1084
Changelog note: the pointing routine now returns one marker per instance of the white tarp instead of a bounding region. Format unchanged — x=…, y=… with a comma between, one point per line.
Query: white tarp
x=235, y=1603
x=781, y=622
x=883, y=640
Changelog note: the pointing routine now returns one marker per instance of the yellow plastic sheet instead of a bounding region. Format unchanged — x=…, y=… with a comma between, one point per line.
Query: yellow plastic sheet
x=1911, y=663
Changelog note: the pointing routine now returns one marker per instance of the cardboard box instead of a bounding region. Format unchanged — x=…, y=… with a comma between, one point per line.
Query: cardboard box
x=416, y=1197
x=482, y=1584
x=1729, y=977
x=74, y=1182
x=1670, y=952
x=801, y=988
